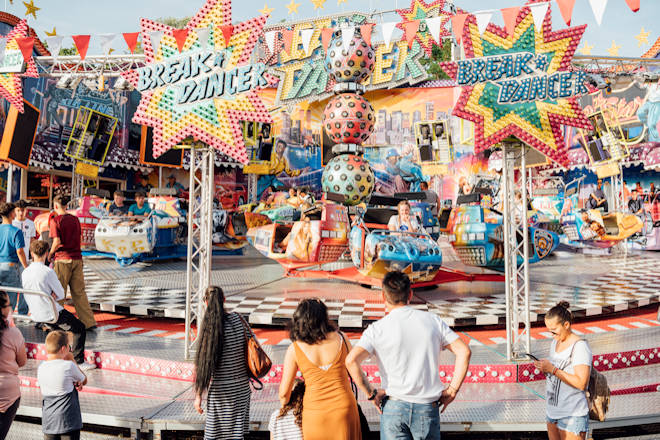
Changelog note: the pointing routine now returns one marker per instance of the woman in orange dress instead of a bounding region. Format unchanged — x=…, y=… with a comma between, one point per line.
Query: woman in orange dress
x=319, y=351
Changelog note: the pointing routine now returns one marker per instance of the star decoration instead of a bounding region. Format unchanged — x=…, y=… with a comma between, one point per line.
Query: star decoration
x=586, y=49
x=53, y=33
x=420, y=10
x=266, y=10
x=31, y=9
x=537, y=123
x=214, y=121
x=642, y=38
x=293, y=7
x=318, y=4
x=614, y=49
x=11, y=86
x=339, y=2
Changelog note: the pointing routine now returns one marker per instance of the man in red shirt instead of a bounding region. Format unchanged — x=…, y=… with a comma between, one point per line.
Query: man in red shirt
x=68, y=264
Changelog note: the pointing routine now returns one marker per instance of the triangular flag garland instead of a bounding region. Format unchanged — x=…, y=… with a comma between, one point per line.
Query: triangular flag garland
x=347, y=34
x=326, y=37
x=433, y=24
x=366, y=30
x=633, y=5
x=566, y=9
x=539, y=10
x=180, y=36
x=306, y=37
x=410, y=29
x=598, y=8
x=287, y=36
x=387, y=29
x=509, y=16
x=227, y=32
x=25, y=44
x=106, y=42
x=54, y=44
x=82, y=44
x=458, y=25
x=155, y=40
x=483, y=19
x=131, y=40
x=203, y=37
x=270, y=41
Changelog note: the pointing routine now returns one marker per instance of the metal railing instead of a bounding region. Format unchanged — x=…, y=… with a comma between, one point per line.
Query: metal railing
x=27, y=292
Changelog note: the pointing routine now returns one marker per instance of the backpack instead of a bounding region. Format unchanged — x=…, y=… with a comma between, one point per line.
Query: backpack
x=598, y=392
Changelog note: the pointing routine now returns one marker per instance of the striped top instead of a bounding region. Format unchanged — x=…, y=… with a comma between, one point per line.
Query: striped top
x=284, y=428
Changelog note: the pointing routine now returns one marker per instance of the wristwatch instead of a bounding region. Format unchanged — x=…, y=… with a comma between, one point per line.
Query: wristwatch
x=373, y=394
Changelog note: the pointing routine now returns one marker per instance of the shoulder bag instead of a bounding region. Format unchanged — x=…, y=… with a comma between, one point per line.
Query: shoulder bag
x=258, y=362
x=598, y=392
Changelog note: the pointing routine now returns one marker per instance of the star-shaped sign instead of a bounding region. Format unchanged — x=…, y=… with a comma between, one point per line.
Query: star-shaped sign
x=318, y=4
x=642, y=38
x=53, y=33
x=586, y=49
x=31, y=9
x=266, y=10
x=536, y=122
x=420, y=10
x=207, y=88
x=293, y=7
x=614, y=49
x=11, y=86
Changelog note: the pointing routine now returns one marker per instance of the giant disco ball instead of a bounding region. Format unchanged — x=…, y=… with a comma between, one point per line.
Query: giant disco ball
x=352, y=65
x=348, y=119
x=350, y=176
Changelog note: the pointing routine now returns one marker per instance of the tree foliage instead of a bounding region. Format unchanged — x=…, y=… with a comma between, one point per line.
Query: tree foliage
x=438, y=54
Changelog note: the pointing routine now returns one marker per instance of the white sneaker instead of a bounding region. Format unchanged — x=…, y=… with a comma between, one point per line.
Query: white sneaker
x=86, y=366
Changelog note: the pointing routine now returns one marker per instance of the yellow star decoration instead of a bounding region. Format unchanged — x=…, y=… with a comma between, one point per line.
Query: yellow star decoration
x=31, y=9
x=53, y=33
x=642, y=38
x=614, y=49
x=293, y=7
x=266, y=10
x=339, y=2
x=586, y=49
x=318, y=4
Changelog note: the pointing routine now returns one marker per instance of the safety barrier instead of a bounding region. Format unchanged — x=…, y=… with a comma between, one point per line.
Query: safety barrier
x=27, y=292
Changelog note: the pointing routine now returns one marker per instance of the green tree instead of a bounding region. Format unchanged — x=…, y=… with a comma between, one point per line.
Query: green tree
x=438, y=55
x=174, y=22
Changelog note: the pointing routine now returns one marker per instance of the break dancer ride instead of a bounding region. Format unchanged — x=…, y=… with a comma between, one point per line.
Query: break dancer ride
x=325, y=232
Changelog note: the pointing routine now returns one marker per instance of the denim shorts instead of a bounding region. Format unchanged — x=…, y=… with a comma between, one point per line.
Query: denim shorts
x=574, y=424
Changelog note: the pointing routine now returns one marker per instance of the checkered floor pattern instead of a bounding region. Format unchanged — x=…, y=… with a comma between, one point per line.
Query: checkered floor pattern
x=623, y=283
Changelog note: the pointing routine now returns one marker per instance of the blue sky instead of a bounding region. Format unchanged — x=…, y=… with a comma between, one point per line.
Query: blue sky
x=620, y=24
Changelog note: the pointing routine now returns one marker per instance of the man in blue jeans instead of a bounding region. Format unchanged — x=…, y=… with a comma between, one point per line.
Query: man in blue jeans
x=12, y=256
x=406, y=344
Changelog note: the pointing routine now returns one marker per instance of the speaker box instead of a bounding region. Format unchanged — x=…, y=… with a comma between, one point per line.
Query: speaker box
x=172, y=158
x=18, y=138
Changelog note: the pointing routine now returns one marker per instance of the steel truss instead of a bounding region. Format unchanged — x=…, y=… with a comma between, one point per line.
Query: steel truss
x=200, y=226
x=516, y=248
x=92, y=65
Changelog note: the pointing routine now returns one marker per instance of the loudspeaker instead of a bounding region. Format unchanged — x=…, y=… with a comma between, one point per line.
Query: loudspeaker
x=172, y=158
x=18, y=138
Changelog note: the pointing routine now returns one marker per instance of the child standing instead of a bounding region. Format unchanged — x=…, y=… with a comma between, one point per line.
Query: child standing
x=60, y=379
x=286, y=422
x=24, y=224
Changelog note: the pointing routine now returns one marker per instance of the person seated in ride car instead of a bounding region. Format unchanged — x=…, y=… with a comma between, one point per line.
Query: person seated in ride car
x=139, y=208
x=117, y=207
x=403, y=221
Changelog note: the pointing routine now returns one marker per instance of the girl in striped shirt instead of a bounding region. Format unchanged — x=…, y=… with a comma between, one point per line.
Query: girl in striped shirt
x=286, y=423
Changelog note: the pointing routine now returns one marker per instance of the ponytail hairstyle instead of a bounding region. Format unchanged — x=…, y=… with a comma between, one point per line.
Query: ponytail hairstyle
x=562, y=312
x=210, y=339
x=295, y=402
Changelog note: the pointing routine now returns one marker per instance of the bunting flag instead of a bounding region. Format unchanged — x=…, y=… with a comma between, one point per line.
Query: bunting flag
x=82, y=44
x=287, y=36
x=347, y=34
x=410, y=31
x=270, y=41
x=106, y=42
x=433, y=24
x=539, y=10
x=509, y=16
x=155, y=38
x=387, y=29
x=457, y=26
x=227, y=32
x=598, y=8
x=203, y=36
x=566, y=9
x=483, y=18
x=180, y=36
x=306, y=37
x=54, y=44
x=131, y=40
x=633, y=5
x=326, y=36
x=26, y=45
x=366, y=30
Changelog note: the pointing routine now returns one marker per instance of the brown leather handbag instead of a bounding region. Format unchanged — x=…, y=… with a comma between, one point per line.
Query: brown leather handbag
x=258, y=362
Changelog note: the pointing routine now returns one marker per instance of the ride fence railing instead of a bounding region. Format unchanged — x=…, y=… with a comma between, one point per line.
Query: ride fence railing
x=25, y=293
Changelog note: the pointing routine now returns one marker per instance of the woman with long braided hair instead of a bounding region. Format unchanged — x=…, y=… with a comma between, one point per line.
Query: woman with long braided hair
x=220, y=369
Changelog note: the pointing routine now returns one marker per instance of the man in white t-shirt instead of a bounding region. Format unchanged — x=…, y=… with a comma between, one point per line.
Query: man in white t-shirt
x=24, y=224
x=406, y=344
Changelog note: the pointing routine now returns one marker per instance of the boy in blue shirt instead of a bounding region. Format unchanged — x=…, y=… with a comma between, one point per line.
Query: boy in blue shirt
x=12, y=256
x=139, y=208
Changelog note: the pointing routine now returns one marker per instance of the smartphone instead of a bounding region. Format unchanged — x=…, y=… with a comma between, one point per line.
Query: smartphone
x=532, y=356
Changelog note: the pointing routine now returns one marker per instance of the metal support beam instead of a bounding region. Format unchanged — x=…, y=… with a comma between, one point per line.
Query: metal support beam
x=92, y=65
x=77, y=184
x=253, y=181
x=516, y=251
x=200, y=226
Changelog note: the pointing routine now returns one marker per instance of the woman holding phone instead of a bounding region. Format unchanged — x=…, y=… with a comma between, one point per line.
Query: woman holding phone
x=567, y=370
